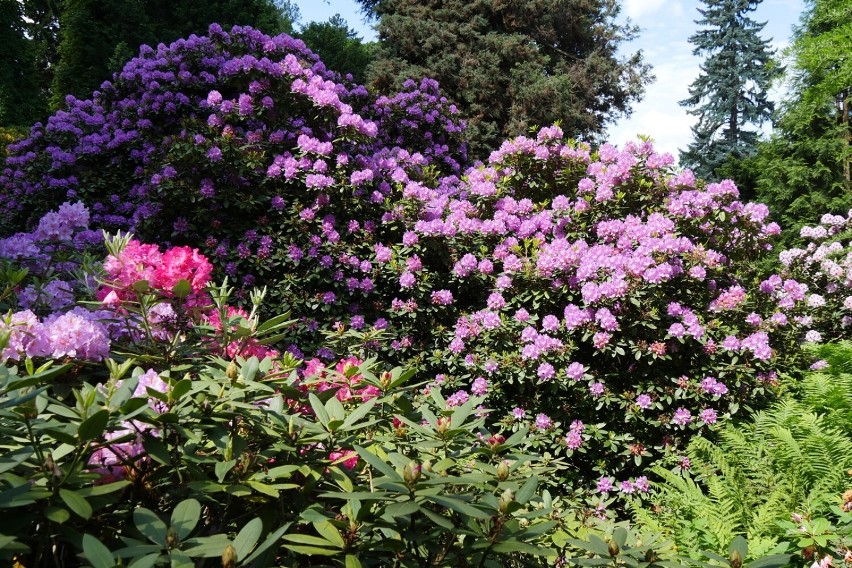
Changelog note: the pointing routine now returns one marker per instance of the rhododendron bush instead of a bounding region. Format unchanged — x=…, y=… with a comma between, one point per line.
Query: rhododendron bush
x=601, y=298
x=147, y=422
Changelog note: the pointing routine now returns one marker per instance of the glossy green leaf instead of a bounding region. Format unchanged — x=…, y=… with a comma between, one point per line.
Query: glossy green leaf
x=76, y=503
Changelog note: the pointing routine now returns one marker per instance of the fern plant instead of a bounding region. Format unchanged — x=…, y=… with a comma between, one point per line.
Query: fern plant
x=790, y=458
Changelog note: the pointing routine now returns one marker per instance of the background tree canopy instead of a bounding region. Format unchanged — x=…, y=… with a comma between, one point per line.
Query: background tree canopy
x=512, y=64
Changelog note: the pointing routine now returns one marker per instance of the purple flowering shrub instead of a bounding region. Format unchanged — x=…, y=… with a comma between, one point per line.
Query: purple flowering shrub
x=244, y=146
x=602, y=298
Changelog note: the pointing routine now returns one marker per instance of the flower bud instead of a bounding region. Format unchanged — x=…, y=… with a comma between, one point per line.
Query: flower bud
x=171, y=538
x=385, y=380
x=229, y=557
x=411, y=472
x=232, y=372
x=736, y=559
x=506, y=499
x=443, y=424
x=503, y=470
x=613, y=548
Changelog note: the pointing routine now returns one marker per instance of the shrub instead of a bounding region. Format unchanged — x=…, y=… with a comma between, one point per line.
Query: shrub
x=184, y=446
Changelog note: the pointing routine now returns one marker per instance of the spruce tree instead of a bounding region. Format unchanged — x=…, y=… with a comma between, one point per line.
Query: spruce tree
x=513, y=64
x=730, y=95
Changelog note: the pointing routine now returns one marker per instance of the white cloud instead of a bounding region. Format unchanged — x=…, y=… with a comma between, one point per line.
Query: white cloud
x=636, y=9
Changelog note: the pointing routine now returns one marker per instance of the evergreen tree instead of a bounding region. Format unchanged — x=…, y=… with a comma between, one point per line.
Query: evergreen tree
x=21, y=102
x=338, y=46
x=730, y=94
x=804, y=169
x=512, y=64
x=41, y=21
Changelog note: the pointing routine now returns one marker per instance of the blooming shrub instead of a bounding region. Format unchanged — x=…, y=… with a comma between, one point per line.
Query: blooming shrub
x=604, y=299
x=601, y=298
x=825, y=263
x=243, y=146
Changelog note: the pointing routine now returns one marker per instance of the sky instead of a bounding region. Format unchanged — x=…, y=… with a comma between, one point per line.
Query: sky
x=665, y=27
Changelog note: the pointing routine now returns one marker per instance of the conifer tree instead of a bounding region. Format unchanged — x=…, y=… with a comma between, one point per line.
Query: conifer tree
x=730, y=95
x=21, y=102
x=805, y=169
x=513, y=64
x=339, y=46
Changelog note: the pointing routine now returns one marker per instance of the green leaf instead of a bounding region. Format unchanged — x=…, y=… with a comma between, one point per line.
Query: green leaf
x=93, y=426
x=458, y=506
x=402, y=509
x=221, y=469
x=145, y=561
x=185, y=516
x=330, y=533
x=182, y=289
x=360, y=412
x=517, y=546
x=13, y=459
x=527, y=490
x=771, y=561
x=102, y=489
x=319, y=409
x=270, y=540
x=76, y=503
x=352, y=561
x=96, y=553
x=377, y=462
x=150, y=525
x=247, y=537
x=57, y=514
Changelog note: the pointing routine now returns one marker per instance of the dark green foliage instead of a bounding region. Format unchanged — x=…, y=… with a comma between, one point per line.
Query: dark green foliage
x=510, y=65
x=338, y=46
x=99, y=36
x=730, y=94
x=804, y=170
x=20, y=100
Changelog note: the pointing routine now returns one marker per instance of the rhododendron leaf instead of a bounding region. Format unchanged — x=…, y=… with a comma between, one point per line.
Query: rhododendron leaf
x=93, y=426
x=352, y=562
x=156, y=450
x=249, y=369
x=360, y=412
x=270, y=540
x=76, y=503
x=263, y=488
x=438, y=519
x=319, y=409
x=57, y=514
x=141, y=287
x=150, y=525
x=96, y=553
x=458, y=505
x=402, y=509
x=179, y=389
x=377, y=462
x=185, y=516
x=516, y=438
x=527, y=490
x=275, y=323
x=335, y=410
x=103, y=489
x=222, y=468
x=182, y=289
x=248, y=537
x=14, y=458
x=330, y=533
x=509, y=546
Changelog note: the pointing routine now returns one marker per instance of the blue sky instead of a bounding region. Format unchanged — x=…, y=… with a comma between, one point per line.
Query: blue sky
x=665, y=28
